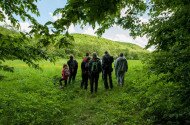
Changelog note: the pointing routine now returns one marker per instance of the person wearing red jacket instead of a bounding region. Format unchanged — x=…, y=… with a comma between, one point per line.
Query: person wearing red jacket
x=65, y=75
x=86, y=57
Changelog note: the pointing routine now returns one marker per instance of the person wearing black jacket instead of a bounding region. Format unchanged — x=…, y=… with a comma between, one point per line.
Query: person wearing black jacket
x=73, y=66
x=85, y=72
x=95, y=69
x=107, y=69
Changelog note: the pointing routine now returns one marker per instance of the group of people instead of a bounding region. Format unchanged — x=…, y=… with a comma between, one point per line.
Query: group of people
x=91, y=69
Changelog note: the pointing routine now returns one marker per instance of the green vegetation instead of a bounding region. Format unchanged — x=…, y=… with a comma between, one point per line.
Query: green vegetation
x=28, y=96
x=86, y=43
x=30, y=51
x=157, y=94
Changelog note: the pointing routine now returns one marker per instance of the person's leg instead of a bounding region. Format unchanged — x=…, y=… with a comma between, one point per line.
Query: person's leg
x=96, y=82
x=86, y=81
x=118, y=78
x=91, y=83
x=70, y=77
x=110, y=80
x=65, y=82
x=83, y=81
x=105, y=80
x=60, y=83
x=74, y=75
x=122, y=78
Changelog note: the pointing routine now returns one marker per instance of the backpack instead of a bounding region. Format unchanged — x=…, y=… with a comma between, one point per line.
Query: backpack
x=123, y=66
x=108, y=62
x=86, y=65
x=94, y=67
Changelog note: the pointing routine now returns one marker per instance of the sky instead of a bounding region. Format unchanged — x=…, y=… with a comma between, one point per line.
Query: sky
x=115, y=33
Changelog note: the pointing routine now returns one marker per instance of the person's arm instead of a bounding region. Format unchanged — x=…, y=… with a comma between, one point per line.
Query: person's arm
x=76, y=64
x=99, y=66
x=103, y=61
x=126, y=65
x=115, y=64
x=82, y=66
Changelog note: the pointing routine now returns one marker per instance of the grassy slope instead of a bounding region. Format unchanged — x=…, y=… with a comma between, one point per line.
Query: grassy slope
x=86, y=43
x=29, y=96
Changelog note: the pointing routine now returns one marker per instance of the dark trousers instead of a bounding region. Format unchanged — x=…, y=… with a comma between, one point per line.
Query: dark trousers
x=72, y=76
x=60, y=82
x=84, y=82
x=94, y=82
x=107, y=74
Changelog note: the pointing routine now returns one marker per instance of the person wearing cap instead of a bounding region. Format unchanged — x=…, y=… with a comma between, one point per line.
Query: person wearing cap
x=95, y=69
x=121, y=67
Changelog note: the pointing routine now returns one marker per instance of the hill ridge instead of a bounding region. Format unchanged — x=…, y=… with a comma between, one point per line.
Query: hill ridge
x=87, y=43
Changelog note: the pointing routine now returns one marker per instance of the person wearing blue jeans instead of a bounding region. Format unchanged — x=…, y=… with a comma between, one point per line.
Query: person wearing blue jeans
x=121, y=67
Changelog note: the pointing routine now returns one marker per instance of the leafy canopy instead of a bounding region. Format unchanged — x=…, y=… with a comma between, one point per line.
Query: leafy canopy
x=28, y=47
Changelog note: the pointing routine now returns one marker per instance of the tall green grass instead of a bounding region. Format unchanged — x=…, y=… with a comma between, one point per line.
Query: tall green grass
x=28, y=96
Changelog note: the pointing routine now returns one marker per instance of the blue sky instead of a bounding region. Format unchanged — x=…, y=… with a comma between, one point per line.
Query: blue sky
x=48, y=6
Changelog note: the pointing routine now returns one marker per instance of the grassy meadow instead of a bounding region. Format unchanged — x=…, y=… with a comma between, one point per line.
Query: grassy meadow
x=28, y=96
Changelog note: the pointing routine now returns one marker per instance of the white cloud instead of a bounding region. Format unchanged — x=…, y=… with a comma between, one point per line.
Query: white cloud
x=123, y=12
x=24, y=26
x=71, y=29
x=122, y=38
x=56, y=17
x=144, y=19
x=141, y=41
x=6, y=20
x=90, y=31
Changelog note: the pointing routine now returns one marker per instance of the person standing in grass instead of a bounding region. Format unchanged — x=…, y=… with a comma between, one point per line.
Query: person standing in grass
x=85, y=58
x=73, y=66
x=85, y=72
x=121, y=67
x=107, y=69
x=65, y=75
x=95, y=69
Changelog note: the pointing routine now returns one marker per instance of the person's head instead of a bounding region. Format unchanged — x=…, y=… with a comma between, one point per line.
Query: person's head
x=88, y=59
x=106, y=52
x=71, y=57
x=121, y=54
x=87, y=54
x=64, y=65
x=94, y=55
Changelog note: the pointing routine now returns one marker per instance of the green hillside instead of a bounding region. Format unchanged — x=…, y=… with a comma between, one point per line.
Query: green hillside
x=86, y=43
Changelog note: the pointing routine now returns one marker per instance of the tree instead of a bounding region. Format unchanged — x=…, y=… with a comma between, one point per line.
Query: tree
x=17, y=45
x=28, y=47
